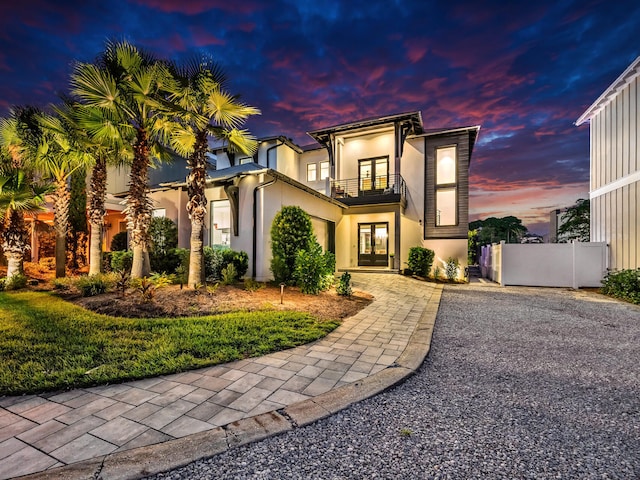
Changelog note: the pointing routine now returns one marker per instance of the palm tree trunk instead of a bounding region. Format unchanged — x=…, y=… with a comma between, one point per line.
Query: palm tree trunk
x=61, y=222
x=139, y=208
x=15, y=243
x=96, y=214
x=197, y=208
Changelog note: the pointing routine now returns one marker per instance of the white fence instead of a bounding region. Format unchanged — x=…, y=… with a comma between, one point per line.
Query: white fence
x=572, y=265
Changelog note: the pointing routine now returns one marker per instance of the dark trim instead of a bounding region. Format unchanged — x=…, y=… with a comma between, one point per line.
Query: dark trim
x=232, y=192
x=373, y=171
x=373, y=234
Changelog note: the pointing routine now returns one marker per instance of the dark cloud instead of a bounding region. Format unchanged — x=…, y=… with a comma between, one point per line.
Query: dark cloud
x=524, y=71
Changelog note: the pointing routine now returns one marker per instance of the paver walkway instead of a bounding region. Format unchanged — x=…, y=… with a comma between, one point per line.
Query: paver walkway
x=40, y=432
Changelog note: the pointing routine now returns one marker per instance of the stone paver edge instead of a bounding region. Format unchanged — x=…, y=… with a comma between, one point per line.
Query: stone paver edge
x=144, y=461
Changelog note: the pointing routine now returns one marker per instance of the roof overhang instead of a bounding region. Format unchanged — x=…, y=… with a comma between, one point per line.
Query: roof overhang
x=414, y=119
x=631, y=73
x=473, y=131
x=223, y=177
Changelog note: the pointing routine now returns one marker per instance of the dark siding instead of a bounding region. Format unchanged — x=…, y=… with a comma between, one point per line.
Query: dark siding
x=460, y=230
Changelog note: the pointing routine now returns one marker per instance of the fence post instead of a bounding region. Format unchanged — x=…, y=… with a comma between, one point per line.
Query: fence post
x=574, y=273
x=502, y=244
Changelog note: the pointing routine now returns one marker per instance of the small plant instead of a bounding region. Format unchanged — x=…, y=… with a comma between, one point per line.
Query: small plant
x=122, y=282
x=63, y=284
x=211, y=289
x=451, y=268
x=623, y=284
x=420, y=260
x=437, y=273
x=161, y=280
x=250, y=285
x=145, y=287
x=16, y=282
x=93, y=285
x=406, y=432
x=46, y=264
x=229, y=274
x=344, y=285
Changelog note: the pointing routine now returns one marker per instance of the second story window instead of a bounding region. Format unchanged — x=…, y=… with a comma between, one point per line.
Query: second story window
x=311, y=172
x=446, y=186
x=324, y=170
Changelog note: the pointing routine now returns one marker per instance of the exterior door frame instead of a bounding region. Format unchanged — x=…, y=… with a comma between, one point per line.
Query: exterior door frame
x=373, y=259
x=373, y=187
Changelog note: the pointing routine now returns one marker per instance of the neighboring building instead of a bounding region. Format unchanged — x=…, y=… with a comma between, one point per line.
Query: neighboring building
x=373, y=188
x=614, y=120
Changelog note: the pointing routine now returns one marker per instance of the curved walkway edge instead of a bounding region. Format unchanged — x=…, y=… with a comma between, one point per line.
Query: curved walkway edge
x=387, y=289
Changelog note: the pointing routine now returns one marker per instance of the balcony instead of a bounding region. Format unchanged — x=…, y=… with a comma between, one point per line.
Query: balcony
x=370, y=191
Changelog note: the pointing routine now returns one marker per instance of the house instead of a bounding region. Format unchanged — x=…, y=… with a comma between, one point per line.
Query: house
x=614, y=120
x=374, y=188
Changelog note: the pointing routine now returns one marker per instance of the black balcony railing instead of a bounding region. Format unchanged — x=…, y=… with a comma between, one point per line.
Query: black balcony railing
x=380, y=189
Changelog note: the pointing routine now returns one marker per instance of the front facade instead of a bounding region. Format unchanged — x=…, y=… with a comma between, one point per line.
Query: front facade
x=373, y=188
x=614, y=120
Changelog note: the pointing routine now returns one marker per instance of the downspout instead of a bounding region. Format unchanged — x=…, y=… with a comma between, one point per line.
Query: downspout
x=271, y=148
x=260, y=186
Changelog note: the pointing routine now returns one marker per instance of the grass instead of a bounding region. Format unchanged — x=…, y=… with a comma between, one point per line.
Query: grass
x=49, y=344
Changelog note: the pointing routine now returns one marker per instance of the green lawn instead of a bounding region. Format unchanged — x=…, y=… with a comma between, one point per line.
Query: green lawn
x=49, y=344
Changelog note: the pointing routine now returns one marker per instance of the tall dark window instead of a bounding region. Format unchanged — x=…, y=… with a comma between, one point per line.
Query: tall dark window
x=446, y=186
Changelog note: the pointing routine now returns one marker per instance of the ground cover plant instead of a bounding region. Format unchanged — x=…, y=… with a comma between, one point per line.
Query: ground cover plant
x=623, y=284
x=47, y=343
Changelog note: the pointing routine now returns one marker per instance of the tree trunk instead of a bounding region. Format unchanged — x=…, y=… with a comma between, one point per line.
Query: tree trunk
x=15, y=240
x=197, y=208
x=14, y=263
x=139, y=208
x=97, y=211
x=196, y=257
x=95, y=249
x=61, y=224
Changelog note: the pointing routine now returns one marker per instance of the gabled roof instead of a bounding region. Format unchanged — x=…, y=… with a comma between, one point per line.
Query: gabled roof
x=610, y=93
x=279, y=138
x=414, y=118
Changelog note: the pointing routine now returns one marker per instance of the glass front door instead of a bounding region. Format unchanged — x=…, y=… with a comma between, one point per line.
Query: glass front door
x=373, y=244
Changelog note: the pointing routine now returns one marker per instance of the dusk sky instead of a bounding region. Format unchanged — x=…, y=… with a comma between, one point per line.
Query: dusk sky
x=523, y=70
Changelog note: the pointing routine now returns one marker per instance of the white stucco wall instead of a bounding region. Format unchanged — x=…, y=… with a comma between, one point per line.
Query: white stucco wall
x=364, y=146
x=445, y=248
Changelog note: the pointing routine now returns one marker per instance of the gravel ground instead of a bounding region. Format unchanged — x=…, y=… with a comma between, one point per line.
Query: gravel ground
x=520, y=383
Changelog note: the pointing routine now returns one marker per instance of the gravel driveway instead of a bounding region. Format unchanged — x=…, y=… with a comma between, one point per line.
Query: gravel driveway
x=520, y=383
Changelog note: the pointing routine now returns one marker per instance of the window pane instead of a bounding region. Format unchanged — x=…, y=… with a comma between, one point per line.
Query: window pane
x=221, y=223
x=324, y=170
x=445, y=165
x=160, y=212
x=381, y=173
x=365, y=175
x=311, y=172
x=446, y=206
x=365, y=239
x=381, y=239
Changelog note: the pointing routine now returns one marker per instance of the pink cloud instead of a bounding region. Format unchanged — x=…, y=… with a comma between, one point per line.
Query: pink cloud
x=415, y=50
x=203, y=37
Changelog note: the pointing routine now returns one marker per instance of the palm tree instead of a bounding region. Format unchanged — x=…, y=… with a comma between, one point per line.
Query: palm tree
x=208, y=110
x=59, y=154
x=101, y=138
x=130, y=85
x=18, y=196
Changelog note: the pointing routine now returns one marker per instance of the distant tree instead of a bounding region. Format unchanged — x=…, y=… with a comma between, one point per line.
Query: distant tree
x=493, y=230
x=575, y=222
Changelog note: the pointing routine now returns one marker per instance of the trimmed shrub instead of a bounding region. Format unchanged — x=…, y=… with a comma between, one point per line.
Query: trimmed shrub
x=312, y=269
x=119, y=242
x=623, y=284
x=420, y=260
x=121, y=261
x=291, y=231
x=213, y=262
x=344, y=285
x=90, y=286
x=165, y=262
x=240, y=261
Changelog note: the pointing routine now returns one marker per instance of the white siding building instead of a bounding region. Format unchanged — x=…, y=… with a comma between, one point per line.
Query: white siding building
x=615, y=168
